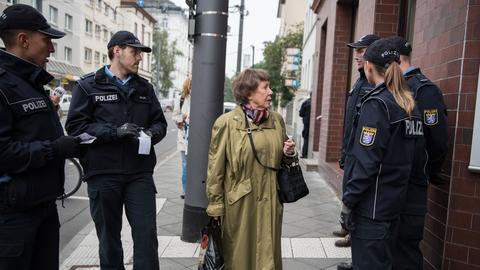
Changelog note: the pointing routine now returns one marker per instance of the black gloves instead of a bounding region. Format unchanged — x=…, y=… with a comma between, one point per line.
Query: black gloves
x=68, y=147
x=128, y=130
x=346, y=219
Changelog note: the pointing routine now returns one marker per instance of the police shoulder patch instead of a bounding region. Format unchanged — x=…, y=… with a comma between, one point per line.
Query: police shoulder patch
x=430, y=117
x=367, y=137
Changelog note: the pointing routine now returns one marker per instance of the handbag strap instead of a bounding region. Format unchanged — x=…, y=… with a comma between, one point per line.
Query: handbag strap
x=249, y=132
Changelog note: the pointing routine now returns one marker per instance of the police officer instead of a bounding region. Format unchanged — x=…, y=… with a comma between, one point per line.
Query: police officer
x=32, y=145
x=305, y=114
x=387, y=134
x=116, y=105
x=429, y=98
x=359, y=89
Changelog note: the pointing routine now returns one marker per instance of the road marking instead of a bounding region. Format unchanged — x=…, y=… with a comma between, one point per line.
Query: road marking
x=83, y=198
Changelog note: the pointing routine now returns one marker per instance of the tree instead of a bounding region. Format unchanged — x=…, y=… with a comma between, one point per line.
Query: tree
x=273, y=59
x=227, y=90
x=164, y=55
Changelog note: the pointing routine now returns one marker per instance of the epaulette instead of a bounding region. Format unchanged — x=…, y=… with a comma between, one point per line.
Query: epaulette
x=87, y=75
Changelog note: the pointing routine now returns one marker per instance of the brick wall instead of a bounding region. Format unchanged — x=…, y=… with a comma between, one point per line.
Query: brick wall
x=386, y=17
x=442, y=30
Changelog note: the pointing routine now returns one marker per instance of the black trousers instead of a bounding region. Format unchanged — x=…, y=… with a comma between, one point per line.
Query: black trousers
x=108, y=194
x=408, y=235
x=372, y=243
x=30, y=239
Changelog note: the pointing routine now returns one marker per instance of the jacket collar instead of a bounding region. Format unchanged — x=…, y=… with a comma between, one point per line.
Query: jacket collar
x=412, y=72
x=375, y=91
x=24, y=69
x=136, y=82
x=239, y=117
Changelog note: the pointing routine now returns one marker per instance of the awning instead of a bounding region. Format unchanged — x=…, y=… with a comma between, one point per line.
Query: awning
x=64, y=70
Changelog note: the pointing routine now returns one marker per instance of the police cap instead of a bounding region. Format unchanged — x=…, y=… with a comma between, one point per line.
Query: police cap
x=127, y=38
x=382, y=52
x=25, y=17
x=402, y=45
x=364, y=41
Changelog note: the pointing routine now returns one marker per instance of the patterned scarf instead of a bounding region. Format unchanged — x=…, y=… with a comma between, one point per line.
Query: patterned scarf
x=257, y=115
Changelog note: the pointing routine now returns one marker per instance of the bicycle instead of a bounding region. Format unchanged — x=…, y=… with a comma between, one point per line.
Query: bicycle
x=73, y=178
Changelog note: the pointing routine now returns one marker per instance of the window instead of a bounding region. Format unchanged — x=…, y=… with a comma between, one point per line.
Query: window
x=143, y=34
x=68, y=22
x=135, y=29
x=148, y=39
x=11, y=2
x=148, y=62
x=87, y=57
x=98, y=31
x=88, y=26
x=68, y=54
x=407, y=19
x=53, y=14
x=97, y=57
x=90, y=3
x=165, y=23
x=104, y=58
x=55, y=47
x=107, y=9
x=99, y=4
x=105, y=35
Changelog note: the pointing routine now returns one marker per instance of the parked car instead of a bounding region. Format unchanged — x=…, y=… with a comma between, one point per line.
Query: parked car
x=167, y=104
x=65, y=104
x=228, y=106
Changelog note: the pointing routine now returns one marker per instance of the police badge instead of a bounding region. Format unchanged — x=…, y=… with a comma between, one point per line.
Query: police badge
x=367, y=137
x=430, y=117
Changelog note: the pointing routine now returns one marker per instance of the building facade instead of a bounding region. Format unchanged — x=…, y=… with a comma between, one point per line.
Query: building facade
x=174, y=21
x=446, y=39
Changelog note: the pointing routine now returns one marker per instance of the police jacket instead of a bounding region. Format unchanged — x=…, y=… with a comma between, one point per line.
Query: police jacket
x=359, y=90
x=99, y=105
x=28, y=125
x=380, y=154
x=430, y=102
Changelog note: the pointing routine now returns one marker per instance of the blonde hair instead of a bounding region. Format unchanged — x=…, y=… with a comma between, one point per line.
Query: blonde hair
x=187, y=87
x=397, y=85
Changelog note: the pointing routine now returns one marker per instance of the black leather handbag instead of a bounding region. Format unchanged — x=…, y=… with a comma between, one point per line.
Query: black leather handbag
x=292, y=186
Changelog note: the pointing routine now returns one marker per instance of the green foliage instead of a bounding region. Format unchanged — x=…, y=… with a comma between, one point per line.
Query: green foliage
x=273, y=58
x=227, y=90
x=164, y=55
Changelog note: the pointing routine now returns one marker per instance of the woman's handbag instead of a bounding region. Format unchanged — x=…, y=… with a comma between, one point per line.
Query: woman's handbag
x=211, y=256
x=292, y=186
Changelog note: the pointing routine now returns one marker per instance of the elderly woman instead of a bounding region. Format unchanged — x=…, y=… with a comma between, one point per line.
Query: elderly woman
x=241, y=191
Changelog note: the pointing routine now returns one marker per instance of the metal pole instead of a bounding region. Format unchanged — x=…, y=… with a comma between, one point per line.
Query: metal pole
x=253, y=56
x=210, y=42
x=240, y=36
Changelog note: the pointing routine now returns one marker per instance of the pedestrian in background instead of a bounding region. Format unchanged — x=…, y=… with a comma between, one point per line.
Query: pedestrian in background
x=121, y=110
x=33, y=147
x=305, y=114
x=429, y=98
x=181, y=117
x=241, y=191
x=388, y=134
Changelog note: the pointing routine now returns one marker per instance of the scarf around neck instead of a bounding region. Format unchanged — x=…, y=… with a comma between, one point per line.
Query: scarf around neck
x=256, y=115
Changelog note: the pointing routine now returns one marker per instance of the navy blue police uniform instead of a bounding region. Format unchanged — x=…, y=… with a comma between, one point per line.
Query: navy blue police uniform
x=429, y=99
x=115, y=172
x=33, y=149
x=355, y=95
x=378, y=164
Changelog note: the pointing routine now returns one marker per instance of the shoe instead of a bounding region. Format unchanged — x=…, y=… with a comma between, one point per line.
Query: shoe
x=182, y=196
x=341, y=233
x=345, y=242
x=345, y=266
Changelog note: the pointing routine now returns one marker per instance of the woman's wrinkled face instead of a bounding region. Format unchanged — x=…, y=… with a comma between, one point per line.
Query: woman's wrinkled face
x=261, y=98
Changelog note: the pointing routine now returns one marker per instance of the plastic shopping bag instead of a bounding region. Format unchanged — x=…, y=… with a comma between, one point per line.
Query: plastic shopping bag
x=211, y=256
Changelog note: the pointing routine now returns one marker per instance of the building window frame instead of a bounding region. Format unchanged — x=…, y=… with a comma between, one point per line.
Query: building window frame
x=53, y=15
x=87, y=55
x=68, y=54
x=88, y=27
x=68, y=22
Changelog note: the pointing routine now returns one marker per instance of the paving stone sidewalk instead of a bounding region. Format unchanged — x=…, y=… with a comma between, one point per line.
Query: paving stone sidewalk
x=307, y=242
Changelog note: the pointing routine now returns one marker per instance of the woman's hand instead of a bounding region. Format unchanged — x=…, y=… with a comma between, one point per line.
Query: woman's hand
x=289, y=147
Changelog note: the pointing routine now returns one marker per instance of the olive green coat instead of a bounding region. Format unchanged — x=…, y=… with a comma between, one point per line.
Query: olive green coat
x=244, y=193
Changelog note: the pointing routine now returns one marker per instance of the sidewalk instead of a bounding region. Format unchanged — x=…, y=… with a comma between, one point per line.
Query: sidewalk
x=307, y=242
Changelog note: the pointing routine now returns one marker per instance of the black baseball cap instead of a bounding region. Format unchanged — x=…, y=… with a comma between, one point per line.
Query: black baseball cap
x=127, y=38
x=382, y=52
x=25, y=17
x=402, y=45
x=364, y=41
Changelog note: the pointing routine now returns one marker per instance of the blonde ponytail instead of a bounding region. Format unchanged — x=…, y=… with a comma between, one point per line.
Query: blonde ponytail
x=397, y=85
